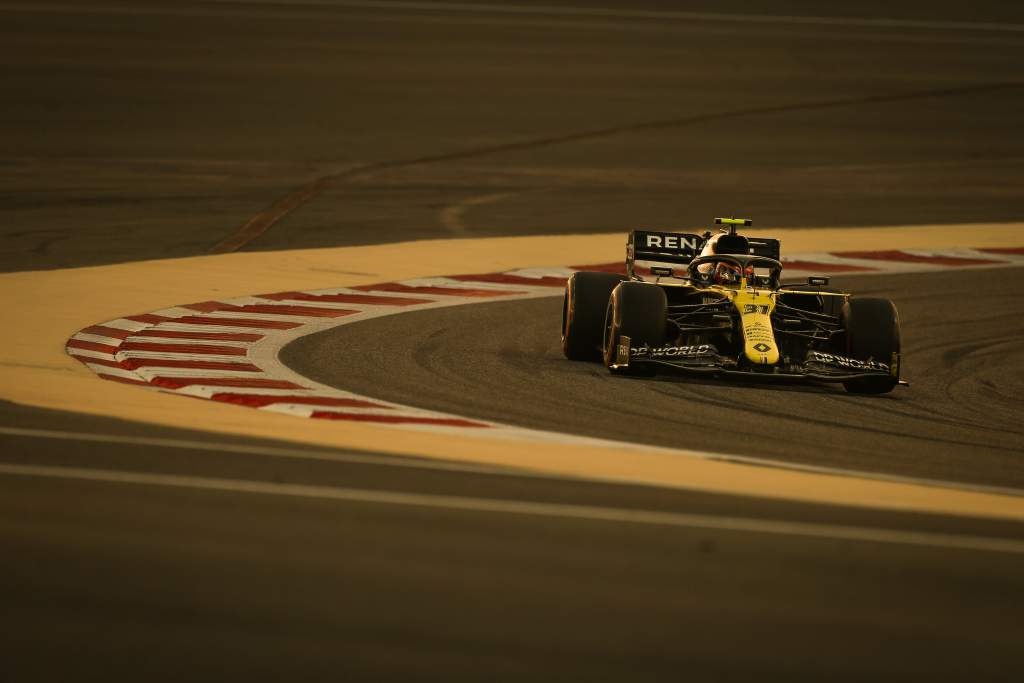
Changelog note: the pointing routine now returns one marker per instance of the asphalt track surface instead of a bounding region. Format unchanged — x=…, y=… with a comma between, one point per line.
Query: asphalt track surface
x=116, y=581
x=133, y=131
x=138, y=130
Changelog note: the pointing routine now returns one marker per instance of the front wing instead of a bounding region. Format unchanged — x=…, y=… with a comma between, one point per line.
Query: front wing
x=705, y=359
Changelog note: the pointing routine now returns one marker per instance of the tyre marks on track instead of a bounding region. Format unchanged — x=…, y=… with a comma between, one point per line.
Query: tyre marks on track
x=290, y=202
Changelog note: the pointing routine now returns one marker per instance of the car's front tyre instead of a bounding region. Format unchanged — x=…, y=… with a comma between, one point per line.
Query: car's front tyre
x=638, y=311
x=872, y=333
x=583, y=308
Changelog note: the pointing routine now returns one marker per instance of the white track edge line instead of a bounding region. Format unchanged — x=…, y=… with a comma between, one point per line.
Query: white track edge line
x=524, y=508
x=382, y=459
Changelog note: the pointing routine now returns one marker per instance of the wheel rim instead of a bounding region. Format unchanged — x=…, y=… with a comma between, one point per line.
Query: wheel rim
x=609, y=326
x=565, y=315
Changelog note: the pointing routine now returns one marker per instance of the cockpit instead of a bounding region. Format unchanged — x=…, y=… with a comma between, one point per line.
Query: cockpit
x=734, y=271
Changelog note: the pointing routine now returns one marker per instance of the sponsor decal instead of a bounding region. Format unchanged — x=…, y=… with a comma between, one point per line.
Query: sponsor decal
x=671, y=242
x=755, y=308
x=844, y=362
x=673, y=351
x=622, y=351
x=759, y=339
x=758, y=333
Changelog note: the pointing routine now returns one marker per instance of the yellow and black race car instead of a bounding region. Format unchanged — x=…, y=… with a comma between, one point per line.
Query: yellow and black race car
x=715, y=304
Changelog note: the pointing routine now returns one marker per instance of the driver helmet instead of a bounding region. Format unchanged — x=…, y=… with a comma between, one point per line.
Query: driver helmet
x=727, y=273
x=707, y=270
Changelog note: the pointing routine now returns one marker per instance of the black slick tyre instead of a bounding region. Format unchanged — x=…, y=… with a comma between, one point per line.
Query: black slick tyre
x=872, y=333
x=638, y=311
x=583, y=308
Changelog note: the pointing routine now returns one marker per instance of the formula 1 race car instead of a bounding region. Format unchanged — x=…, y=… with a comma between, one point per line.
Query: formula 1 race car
x=715, y=304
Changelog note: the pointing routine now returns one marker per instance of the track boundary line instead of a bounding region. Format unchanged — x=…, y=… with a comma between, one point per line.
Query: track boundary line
x=380, y=460
x=387, y=460
x=523, y=508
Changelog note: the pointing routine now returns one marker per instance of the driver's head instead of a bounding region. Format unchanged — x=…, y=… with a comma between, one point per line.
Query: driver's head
x=727, y=274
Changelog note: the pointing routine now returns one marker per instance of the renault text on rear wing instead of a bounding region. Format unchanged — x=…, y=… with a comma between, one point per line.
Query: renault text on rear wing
x=646, y=249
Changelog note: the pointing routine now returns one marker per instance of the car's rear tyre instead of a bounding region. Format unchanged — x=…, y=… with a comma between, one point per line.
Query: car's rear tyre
x=638, y=311
x=872, y=333
x=583, y=308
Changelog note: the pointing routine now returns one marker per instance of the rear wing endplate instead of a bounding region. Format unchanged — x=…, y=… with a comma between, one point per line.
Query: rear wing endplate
x=763, y=246
x=676, y=248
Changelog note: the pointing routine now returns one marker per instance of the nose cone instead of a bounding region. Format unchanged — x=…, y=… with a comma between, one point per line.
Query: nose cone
x=758, y=336
x=759, y=346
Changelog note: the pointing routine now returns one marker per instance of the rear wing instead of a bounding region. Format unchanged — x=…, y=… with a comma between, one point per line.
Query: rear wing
x=646, y=249
x=763, y=246
x=660, y=254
